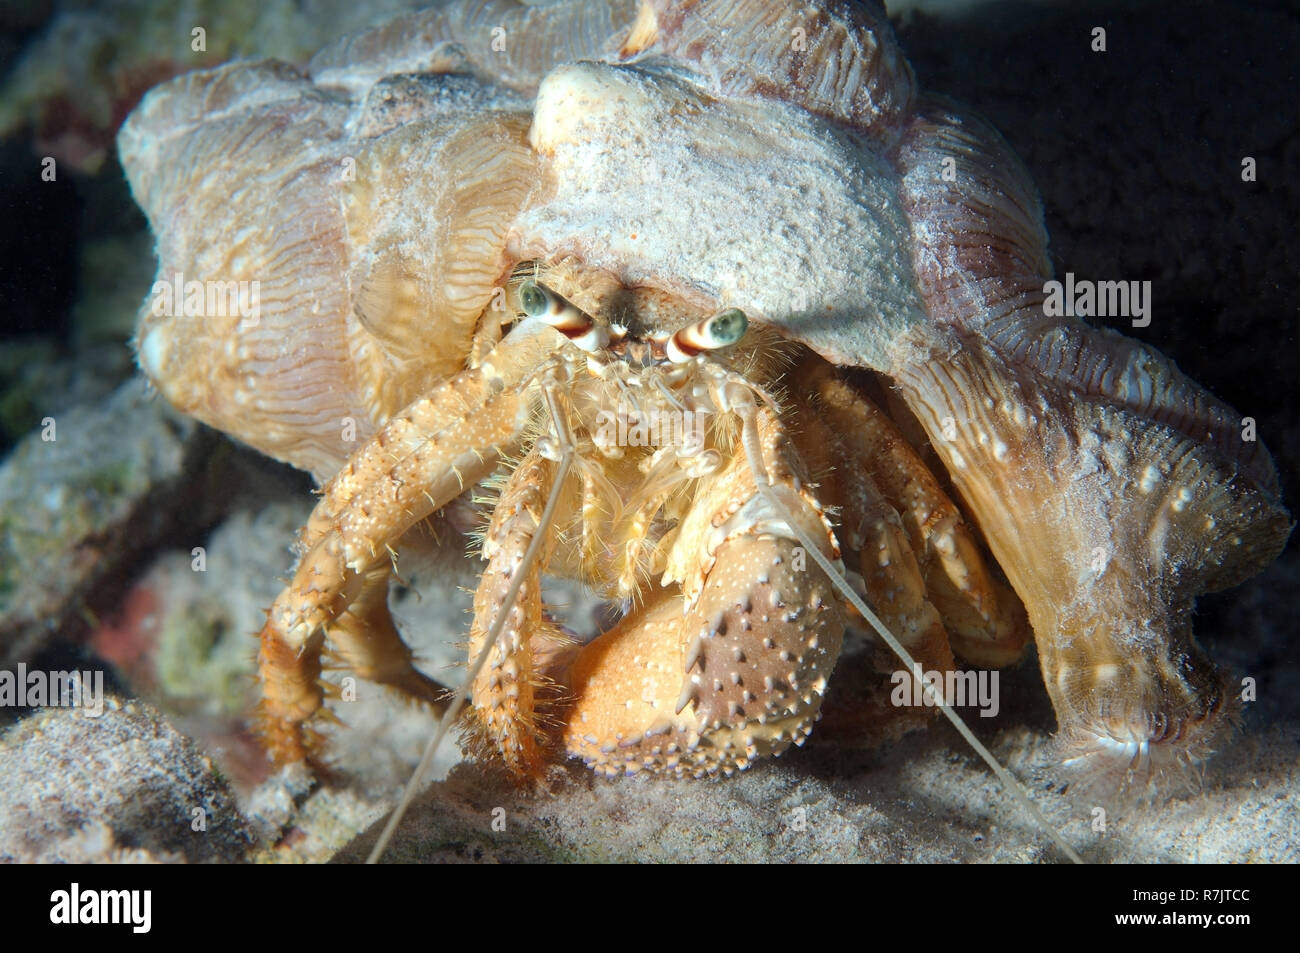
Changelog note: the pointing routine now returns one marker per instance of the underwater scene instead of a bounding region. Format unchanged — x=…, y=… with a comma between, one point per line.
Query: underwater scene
x=649, y=431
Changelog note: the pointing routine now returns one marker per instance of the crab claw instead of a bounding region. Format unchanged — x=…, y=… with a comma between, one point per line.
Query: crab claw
x=734, y=666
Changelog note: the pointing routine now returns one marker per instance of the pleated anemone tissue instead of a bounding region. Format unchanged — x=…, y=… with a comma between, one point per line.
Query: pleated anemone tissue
x=758, y=342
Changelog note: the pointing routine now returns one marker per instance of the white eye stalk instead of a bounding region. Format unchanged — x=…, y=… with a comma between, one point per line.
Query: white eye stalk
x=545, y=305
x=722, y=330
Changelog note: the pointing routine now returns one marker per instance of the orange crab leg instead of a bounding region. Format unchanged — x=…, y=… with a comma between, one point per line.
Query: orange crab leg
x=504, y=691
x=871, y=528
x=419, y=461
x=985, y=620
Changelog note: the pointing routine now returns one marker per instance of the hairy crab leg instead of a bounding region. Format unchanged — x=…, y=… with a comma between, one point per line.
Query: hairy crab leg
x=872, y=528
x=419, y=461
x=367, y=642
x=504, y=691
x=985, y=620
x=564, y=451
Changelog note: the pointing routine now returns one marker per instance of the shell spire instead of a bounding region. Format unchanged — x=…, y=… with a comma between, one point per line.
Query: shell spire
x=837, y=60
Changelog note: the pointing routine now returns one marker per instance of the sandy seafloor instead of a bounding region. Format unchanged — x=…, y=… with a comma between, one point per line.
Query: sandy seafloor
x=1136, y=157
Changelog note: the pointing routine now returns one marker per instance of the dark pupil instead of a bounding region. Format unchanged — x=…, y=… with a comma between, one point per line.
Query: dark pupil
x=533, y=300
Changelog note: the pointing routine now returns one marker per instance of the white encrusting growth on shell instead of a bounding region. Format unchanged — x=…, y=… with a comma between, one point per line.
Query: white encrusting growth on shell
x=699, y=158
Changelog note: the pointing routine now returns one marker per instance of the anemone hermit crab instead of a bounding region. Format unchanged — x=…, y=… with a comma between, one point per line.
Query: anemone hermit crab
x=703, y=286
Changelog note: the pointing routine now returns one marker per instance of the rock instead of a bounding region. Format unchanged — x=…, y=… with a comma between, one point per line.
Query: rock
x=91, y=486
x=123, y=786
x=120, y=480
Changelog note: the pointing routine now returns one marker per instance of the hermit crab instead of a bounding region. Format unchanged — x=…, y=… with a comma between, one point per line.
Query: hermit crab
x=751, y=335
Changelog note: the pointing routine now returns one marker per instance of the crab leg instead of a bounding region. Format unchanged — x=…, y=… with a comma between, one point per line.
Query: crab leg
x=504, y=690
x=984, y=618
x=746, y=409
x=364, y=638
x=871, y=527
x=367, y=642
x=418, y=462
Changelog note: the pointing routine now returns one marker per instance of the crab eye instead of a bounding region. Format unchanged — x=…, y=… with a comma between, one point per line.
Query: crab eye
x=722, y=330
x=534, y=299
x=540, y=302
x=726, y=328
